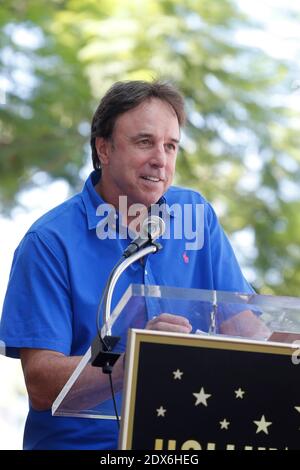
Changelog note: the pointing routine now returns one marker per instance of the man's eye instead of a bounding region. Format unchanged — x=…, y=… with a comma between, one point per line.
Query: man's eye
x=171, y=147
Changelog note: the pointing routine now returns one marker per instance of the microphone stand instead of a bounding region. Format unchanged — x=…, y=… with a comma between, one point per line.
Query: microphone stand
x=102, y=354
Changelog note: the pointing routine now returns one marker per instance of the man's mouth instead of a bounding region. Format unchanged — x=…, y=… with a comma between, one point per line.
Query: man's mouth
x=154, y=179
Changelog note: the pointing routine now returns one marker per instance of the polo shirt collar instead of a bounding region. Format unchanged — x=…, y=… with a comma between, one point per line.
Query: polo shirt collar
x=92, y=200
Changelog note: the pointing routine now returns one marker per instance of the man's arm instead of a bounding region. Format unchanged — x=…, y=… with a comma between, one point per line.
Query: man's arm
x=46, y=372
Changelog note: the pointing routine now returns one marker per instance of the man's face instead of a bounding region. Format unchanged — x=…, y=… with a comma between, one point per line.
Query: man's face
x=139, y=160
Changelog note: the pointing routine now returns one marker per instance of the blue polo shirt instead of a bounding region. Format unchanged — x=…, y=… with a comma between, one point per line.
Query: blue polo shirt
x=57, y=277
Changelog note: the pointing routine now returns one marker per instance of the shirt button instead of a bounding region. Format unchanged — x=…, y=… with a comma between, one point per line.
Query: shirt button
x=146, y=272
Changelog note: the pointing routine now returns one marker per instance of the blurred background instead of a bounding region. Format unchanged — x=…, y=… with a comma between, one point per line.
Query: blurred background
x=237, y=64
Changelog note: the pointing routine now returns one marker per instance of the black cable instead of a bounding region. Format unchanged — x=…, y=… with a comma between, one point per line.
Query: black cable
x=114, y=400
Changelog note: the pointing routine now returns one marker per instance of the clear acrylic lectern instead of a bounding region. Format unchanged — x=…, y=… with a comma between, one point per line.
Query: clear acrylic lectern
x=211, y=313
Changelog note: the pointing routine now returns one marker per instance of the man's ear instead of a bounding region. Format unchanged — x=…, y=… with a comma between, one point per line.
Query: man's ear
x=102, y=146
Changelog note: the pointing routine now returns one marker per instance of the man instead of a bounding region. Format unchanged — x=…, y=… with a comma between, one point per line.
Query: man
x=61, y=266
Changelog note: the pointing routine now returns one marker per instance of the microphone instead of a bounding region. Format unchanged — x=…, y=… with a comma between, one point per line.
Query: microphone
x=103, y=353
x=153, y=227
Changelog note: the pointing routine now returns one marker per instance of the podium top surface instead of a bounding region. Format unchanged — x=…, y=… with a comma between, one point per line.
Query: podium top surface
x=212, y=314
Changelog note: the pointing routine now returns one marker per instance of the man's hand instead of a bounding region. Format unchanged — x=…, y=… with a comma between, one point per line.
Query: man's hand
x=169, y=322
x=246, y=325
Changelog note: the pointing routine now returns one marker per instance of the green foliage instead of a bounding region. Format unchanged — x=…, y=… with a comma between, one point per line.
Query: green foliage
x=240, y=147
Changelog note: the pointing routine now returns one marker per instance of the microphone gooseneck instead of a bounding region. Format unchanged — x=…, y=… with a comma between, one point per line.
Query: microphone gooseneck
x=103, y=353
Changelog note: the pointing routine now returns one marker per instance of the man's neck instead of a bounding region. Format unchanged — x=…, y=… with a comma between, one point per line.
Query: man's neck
x=123, y=209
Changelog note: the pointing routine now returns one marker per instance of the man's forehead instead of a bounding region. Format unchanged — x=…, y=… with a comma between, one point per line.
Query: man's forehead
x=149, y=119
x=149, y=109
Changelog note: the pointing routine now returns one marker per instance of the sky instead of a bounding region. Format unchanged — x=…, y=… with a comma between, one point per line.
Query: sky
x=280, y=39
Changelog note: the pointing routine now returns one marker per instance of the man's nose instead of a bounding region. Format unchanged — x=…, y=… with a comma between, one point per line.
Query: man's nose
x=159, y=157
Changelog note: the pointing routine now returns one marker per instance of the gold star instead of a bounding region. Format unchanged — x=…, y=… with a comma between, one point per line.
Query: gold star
x=224, y=423
x=161, y=411
x=239, y=393
x=177, y=374
x=201, y=397
x=262, y=425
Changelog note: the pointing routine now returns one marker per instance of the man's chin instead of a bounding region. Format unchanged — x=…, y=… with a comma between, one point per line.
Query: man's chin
x=151, y=201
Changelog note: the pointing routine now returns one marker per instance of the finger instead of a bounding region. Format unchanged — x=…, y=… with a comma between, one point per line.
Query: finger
x=165, y=326
x=171, y=318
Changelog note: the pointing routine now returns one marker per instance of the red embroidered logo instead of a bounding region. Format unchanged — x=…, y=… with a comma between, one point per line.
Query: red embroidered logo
x=185, y=257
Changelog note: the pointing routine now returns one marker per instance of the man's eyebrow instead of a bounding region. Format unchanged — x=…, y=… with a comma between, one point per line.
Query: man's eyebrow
x=143, y=135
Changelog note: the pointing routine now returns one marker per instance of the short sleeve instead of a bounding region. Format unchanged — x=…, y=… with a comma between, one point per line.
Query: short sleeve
x=37, y=311
x=227, y=274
